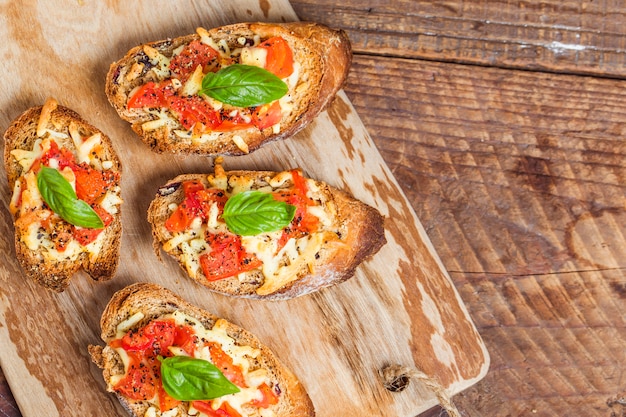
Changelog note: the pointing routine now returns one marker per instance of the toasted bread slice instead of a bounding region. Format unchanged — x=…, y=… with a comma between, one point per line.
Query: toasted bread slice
x=330, y=235
x=50, y=249
x=321, y=61
x=137, y=305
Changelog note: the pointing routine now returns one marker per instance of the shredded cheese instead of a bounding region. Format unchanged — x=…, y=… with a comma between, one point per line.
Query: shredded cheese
x=280, y=266
x=28, y=205
x=245, y=51
x=241, y=356
x=241, y=144
x=44, y=117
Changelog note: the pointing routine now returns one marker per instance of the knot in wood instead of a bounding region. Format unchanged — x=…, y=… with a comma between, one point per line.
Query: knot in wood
x=395, y=377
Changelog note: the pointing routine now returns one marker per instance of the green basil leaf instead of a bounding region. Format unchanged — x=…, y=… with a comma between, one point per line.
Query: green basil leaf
x=253, y=212
x=59, y=195
x=243, y=86
x=190, y=379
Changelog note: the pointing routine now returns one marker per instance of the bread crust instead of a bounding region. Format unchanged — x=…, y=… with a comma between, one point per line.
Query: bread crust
x=361, y=228
x=325, y=55
x=154, y=301
x=22, y=134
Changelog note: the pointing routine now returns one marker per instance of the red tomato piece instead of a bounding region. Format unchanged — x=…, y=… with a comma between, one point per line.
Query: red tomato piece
x=86, y=236
x=194, y=54
x=208, y=197
x=179, y=220
x=224, y=363
x=185, y=338
x=63, y=156
x=151, y=94
x=225, y=409
x=269, y=397
x=91, y=184
x=186, y=211
x=299, y=182
x=139, y=382
x=189, y=110
x=303, y=221
x=157, y=336
x=166, y=402
x=143, y=346
x=192, y=186
x=197, y=203
x=279, y=59
x=194, y=109
x=267, y=115
x=262, y=117
x=226, y=258
x=136, y=341
x=230, y=125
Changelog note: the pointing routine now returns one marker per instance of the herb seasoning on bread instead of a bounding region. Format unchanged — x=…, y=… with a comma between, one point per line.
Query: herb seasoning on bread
x=230, y=89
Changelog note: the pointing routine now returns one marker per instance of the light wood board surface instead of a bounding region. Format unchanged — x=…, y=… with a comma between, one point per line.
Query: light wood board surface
x=400, y=308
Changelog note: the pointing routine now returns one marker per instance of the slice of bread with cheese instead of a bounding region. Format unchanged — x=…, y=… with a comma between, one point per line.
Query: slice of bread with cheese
x=327, y=237
x=160, y=87
x=53, y=245
x=144, y=325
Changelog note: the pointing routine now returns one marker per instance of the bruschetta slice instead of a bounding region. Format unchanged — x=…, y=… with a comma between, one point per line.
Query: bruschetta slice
x=166, y=357
x=65, y=180
x=261, y=234
x=230, y=89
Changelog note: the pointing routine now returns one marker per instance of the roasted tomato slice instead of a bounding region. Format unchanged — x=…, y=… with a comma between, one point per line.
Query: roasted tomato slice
x=140, y=382
x=197, y=203
x=166, y=402
x=91, y=184
x=151, y=94
x=157, y=336
x=185, y=338
x=194, y=54
x=63, y=156
x=279, y=59
x=193, y=110
x=267, y=115
x=225, y=409
x=226, y=258
x=269, y=397
x=86, y=236
x=224, y=362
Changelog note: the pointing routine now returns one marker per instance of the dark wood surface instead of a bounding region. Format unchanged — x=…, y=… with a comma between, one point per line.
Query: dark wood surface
x=504, y=124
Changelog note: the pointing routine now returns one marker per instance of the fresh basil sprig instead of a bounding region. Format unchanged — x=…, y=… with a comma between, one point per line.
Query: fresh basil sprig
x=243, y=86
x=59, y=195
x=191, y=379
x=253, y=212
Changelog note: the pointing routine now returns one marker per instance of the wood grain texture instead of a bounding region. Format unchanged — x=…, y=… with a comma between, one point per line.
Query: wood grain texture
x=570, y=36
x=401, y=307
x=519, y=179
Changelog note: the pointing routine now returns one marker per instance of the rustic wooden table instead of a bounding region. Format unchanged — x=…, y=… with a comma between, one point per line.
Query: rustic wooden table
x=503, y=122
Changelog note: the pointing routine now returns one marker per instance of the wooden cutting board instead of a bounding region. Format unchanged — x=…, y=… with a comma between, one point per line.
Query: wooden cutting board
x=400, y=308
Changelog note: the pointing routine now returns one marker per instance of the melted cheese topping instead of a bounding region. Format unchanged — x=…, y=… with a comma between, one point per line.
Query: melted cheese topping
x=241, y=356
x=280, y=267
x=27, y=203
x=246, y=54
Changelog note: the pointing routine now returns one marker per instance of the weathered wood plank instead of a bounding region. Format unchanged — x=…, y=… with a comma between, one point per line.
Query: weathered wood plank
x=520, y=181
x=525, y=170
x=401, y=307
x=572, y=36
